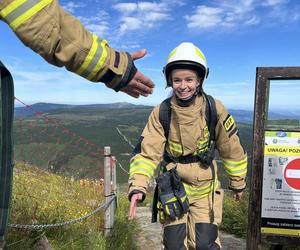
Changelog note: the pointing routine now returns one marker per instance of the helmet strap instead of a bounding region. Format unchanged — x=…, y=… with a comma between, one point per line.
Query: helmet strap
x=185, y=103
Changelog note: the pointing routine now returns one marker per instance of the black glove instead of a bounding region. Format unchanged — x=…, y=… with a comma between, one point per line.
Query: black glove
x=172, y=196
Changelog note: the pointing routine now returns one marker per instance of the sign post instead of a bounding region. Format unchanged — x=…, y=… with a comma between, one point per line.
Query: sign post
x=274, y=202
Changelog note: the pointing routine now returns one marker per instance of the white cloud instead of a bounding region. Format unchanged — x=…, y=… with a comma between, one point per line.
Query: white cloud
x=237, y=13
x=99, y=29
x=130, y=23
x=274, y=2
x=252, y=21
x=126, y=7
x=155, y=17
x=149, y=6
x=34, y=77
x=224, y=15
x=205, y=17
x=141, y=15
x=295, y=16
x=174, y=2
x=130, y=46
x=97, y=24
x=72, y=6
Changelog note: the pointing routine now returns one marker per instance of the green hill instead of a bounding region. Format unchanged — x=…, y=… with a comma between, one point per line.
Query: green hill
x=71, y=140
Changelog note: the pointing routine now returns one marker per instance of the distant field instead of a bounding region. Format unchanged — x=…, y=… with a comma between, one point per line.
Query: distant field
x=53, y=141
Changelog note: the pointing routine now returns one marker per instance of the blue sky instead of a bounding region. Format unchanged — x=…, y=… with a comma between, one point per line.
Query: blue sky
x=235, y=35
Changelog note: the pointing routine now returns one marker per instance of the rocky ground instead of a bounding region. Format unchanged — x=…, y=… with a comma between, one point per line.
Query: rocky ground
x=150, y=237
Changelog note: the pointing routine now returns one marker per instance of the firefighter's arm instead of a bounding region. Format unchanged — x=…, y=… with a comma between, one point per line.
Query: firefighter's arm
x=63, y=41
x=147, y=155
x=135, y=198
x=231, y=152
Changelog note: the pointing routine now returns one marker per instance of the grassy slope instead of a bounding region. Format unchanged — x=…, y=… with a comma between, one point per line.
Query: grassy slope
x=40, y=197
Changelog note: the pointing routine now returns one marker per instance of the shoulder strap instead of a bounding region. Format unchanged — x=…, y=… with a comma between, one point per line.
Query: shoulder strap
x=211, y=114
x=165, y=115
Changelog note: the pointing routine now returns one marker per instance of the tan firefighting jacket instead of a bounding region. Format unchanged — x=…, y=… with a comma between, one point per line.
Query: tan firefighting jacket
x=189, y=135
x=61, y=39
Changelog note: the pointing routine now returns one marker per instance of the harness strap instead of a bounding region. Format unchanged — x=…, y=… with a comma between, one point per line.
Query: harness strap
x=212, y=116
x=165, y=115
x=183, y=159
x=6, y=166
x=154, y=205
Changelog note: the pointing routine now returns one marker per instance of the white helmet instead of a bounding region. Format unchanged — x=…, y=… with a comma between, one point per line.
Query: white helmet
x=186, y=56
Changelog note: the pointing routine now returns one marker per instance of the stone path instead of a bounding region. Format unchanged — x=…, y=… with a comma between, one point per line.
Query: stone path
x=150, y=236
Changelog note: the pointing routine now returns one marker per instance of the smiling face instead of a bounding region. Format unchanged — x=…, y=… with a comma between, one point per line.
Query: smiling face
x=184, y=83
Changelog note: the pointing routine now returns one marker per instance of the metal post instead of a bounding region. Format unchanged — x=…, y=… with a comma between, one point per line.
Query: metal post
x=114, y=188
x=107, y=189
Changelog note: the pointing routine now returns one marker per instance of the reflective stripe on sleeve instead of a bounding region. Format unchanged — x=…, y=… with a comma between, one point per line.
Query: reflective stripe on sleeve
x=94, y=60
x=142, y=166
x=100, y=62
x=20, y=11
x=235, y=168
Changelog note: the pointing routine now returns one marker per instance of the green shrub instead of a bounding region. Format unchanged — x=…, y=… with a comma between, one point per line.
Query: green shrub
x=235, y=215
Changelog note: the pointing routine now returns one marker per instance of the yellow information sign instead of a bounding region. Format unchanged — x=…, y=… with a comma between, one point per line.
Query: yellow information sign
x=280, y=213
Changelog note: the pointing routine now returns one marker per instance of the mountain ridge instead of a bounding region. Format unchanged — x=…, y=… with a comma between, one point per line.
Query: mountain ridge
x=42, y=107
x=240, y=115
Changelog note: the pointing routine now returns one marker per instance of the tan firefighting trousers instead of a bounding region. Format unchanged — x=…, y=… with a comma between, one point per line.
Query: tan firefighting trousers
x=200, y=211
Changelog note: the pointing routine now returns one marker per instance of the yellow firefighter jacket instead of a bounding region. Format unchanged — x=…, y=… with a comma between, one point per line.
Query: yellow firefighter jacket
x=189, y=135
x=61, y=40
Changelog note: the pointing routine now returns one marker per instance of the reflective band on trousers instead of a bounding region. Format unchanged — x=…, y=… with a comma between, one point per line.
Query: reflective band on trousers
x=200, y=191
x=142, y=166
x=20, y=11
x=95, y=59
x=175, y=148
x=235, y=168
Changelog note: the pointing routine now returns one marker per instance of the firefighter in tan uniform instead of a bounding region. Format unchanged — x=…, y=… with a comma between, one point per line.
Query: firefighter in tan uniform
x=187, y=139
x=61, y=40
